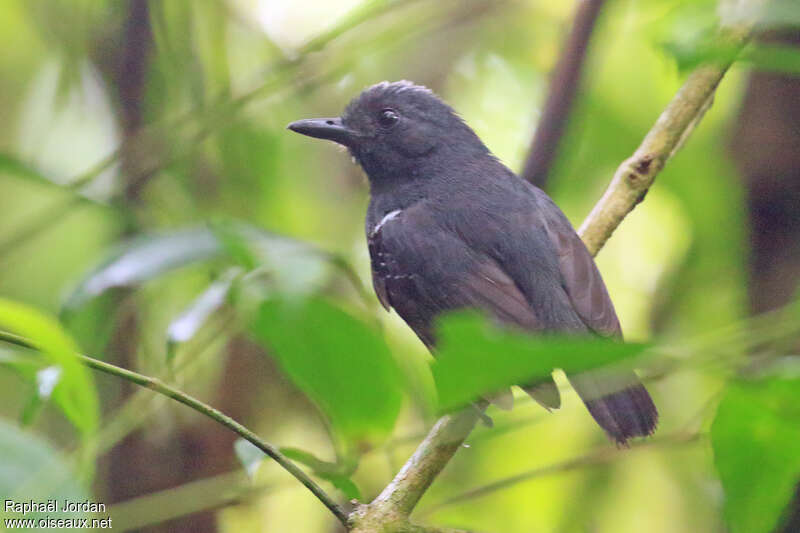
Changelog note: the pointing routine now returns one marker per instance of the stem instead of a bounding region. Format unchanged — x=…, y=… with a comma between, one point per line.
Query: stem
x=162, y=388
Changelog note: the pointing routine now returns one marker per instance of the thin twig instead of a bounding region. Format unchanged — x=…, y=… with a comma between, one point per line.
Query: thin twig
x=564, y=85
x=162, y=388
x=598, y=457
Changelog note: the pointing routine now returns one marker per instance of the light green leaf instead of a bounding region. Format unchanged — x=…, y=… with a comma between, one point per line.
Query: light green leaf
x=340, y=362
x=474, y=357
x=756, y=441
x=75, y=392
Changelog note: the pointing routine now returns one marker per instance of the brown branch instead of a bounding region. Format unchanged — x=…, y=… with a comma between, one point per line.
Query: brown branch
x=564, y=85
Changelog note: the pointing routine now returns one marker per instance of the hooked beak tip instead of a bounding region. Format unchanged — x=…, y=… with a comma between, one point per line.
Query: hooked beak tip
x=330, y=129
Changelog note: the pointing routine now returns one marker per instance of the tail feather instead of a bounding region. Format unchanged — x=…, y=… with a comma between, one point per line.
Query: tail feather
x=545, y=393
x=619, y=403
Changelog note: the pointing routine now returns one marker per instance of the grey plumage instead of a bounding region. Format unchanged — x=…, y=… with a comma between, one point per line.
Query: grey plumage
x=466, y=232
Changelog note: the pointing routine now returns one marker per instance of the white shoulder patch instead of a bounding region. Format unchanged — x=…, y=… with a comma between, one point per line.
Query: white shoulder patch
x=386, y=218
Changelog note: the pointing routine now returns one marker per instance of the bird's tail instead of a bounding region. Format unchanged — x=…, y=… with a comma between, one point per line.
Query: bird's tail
x=618, y=402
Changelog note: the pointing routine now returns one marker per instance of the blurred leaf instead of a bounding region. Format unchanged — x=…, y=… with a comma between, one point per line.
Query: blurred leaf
x=46, y=381
x=32, y=470
x=756, y=441
x=75, y=393
x=249, y=455
x=30, y=411
x=16, y=167
x=189, y=322
x=773, y=57
x=344, y=484
x=473, y=357
x=295, y=266
x=338, y=361
x=234, y=244
x=338, y=474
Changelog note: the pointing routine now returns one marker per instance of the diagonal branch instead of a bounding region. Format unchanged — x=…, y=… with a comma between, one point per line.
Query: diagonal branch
x=564, y=84
x=636, y=174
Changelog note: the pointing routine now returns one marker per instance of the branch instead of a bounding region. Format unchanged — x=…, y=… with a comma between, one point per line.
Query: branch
x=598, y=457
x=391, y=509
x=171, y=392
x=636, y=174
x=564, y=85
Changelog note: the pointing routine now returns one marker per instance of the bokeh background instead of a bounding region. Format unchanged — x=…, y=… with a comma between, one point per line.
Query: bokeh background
x=157, y=130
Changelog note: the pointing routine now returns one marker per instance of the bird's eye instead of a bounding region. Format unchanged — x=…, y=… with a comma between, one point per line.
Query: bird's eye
x=388, y=118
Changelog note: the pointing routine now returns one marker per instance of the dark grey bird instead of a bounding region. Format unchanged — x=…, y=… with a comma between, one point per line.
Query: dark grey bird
x=450, y=227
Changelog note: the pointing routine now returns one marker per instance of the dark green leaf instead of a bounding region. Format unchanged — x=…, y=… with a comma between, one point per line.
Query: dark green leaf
x=756, y=441
x=344, y=484
x=773, y=57
x=475, y=358
x=338, y=361
x=338, y=474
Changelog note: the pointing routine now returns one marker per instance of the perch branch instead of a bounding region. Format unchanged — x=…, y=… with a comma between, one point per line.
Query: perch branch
x=162, y=388
x=636, y=174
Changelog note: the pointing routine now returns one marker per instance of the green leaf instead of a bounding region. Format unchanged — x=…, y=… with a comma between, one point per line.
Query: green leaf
x=294, y=265
x=75, y=392
x=773, y=57
x=474, y=357
x=31, y=469
x=344, y=484
x=338, y=474
x=10, y=164
x=46, y=381
x=756, y=441
x=340, y=362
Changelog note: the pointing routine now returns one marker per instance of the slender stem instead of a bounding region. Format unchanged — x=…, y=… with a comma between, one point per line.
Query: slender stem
x=162, y=388
x=597, y=457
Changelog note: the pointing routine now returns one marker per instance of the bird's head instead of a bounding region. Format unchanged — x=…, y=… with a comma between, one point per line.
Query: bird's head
x=397, y=131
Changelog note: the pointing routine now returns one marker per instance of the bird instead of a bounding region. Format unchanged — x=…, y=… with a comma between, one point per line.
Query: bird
x=450, y=227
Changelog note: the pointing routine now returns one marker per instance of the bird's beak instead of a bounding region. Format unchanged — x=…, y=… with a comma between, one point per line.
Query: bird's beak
x=324, y=128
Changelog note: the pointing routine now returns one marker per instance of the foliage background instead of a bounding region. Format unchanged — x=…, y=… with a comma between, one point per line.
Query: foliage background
x=184, y=106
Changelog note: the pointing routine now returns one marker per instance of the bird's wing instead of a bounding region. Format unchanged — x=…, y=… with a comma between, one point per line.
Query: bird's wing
x=579, y=274
x=422, y=270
